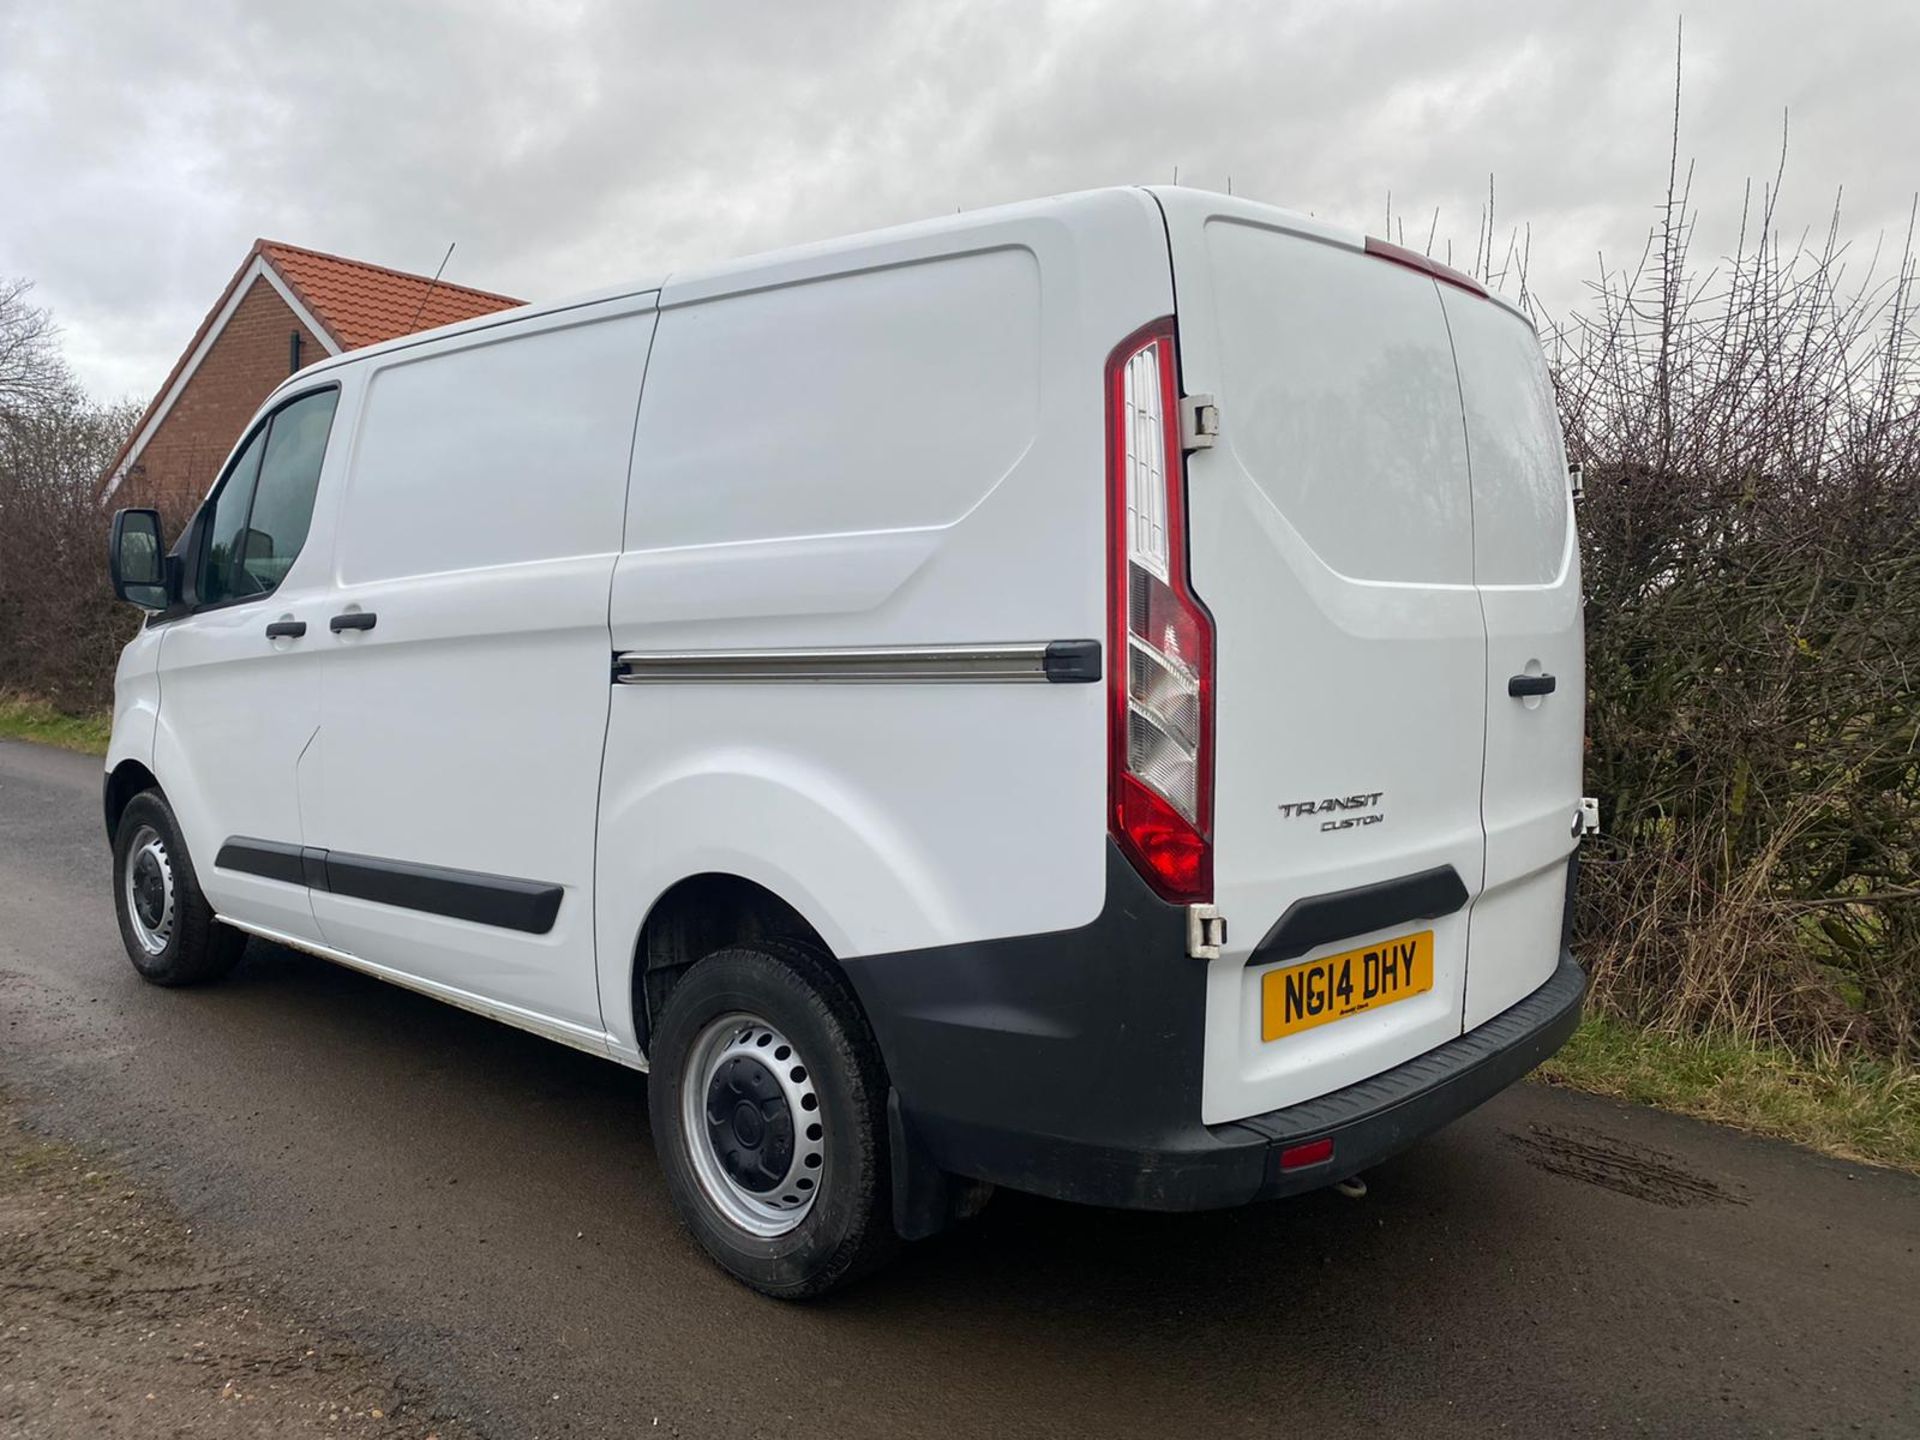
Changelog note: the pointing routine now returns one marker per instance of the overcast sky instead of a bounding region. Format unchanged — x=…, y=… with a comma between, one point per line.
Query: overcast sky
x=565, y=146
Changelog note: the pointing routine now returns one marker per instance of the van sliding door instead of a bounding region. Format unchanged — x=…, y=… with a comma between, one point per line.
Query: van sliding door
x=466, y=690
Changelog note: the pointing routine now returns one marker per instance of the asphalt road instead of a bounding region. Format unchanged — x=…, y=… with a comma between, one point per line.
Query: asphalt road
x=484, y=1208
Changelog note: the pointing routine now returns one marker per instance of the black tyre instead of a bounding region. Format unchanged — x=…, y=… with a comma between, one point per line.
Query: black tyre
x=768, y=1102
x=165, y=922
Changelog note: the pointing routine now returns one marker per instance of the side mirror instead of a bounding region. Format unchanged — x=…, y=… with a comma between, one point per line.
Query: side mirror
x=258, y=545
x=137, y=559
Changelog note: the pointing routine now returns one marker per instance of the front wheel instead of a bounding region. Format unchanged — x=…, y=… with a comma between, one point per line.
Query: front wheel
x=768, y=1103
x=165, y=922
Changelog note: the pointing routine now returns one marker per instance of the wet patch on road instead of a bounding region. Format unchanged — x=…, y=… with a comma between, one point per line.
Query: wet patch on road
x=1582, y=1153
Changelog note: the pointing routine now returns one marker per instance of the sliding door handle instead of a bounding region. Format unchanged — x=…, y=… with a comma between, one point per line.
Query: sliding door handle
x=286, y=629
x=352, y=620
x=1521, y=686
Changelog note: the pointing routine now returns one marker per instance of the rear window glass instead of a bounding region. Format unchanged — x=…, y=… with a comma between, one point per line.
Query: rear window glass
x=1339, y=399
x=1520, y=498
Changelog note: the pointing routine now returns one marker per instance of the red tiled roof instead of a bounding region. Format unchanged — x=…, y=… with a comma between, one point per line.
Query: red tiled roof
x=362, y=304
x=355, y=303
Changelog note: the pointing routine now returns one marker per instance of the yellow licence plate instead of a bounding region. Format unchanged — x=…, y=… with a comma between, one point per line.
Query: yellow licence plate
x=1302, y=996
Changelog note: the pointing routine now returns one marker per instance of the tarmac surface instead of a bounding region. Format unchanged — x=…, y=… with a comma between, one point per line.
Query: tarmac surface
x=482, y=1209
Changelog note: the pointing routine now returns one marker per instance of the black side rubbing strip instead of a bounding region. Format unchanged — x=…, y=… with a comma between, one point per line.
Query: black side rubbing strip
x=1319, y=919
x=313, y=860
x=1071, y=661
x=528, y=905
x=268, y=859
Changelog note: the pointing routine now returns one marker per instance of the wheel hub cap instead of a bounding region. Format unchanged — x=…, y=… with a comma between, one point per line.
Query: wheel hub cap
x=753, y=1124
x=749, y=1124
x=149, y=890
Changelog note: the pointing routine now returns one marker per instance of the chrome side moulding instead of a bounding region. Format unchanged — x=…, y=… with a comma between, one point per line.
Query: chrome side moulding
x=1055, y=661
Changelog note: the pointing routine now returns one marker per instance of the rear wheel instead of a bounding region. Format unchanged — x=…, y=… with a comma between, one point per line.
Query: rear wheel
x=165, y=922
x=767, y=1098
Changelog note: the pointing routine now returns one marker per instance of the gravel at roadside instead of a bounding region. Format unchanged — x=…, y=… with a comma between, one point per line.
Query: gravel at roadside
x=117, y=1320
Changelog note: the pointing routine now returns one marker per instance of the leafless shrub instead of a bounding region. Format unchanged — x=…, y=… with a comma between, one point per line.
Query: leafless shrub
x=1751, y=441
x=60, y=631
x=30, y=368
x=1750, y=436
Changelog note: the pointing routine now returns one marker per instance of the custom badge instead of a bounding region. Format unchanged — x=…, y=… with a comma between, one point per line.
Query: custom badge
x=1337, y=812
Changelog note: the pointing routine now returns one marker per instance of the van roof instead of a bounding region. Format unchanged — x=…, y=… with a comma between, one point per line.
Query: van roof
x=697, y=282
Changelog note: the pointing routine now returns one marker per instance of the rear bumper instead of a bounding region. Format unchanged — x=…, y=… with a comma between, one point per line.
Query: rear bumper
x=1068, y=1065
x=1382, y=1115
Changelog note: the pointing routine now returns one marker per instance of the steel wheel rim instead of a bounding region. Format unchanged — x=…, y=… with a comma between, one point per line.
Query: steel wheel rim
x=149, y=888
x=741, y=1080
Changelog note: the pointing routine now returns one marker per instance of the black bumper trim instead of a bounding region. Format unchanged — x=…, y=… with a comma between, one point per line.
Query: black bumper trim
x=1380, y=1116
x=1093, y=1033
x=1319, y=920
x=1069, y=1065
x=1214, y=1167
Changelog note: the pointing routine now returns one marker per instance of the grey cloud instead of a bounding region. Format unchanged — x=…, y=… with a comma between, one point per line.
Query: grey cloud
x=566, y=146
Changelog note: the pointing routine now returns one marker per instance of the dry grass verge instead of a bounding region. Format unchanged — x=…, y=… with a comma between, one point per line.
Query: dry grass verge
x=22, y=717
x=1853, y=1108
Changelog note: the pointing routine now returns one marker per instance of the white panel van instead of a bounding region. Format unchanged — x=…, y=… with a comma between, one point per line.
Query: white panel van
x=1084, y=697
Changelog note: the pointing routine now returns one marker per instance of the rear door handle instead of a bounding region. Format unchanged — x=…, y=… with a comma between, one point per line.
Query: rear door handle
x=353, y=620
x=1521, y=686
x=286, y=629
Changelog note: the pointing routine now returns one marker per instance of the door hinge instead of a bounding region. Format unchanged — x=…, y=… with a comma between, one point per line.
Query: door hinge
x=1577, y=480
x=1589, y=815
x=1206, y=932
x=1199, y=422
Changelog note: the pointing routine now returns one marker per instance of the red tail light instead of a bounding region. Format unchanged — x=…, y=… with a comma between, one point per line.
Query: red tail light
x=1160, y=637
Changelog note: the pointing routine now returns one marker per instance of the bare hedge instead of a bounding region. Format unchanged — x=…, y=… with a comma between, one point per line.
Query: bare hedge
x=1751, y=539
x=60, y=631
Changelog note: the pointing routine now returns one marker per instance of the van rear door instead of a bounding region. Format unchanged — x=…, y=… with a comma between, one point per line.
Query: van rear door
x=1331, y=535
x=1527, y=566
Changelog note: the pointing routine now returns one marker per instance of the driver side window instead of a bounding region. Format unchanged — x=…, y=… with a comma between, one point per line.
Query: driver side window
x=262, y=509
x=229, y=523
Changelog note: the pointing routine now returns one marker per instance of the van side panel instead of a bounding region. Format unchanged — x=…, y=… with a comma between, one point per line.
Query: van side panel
x=463, y=731
x=897, y=441
x=867, y=403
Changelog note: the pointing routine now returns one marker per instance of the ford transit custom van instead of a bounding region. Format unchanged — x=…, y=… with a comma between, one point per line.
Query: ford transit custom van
x=1083, y=697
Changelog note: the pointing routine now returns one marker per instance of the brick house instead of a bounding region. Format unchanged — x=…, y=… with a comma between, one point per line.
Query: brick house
x=284, y=308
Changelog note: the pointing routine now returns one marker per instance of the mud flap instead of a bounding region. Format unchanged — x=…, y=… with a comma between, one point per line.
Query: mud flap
x=926, y=1199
